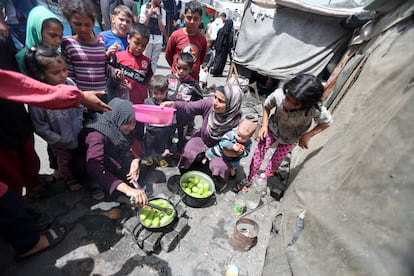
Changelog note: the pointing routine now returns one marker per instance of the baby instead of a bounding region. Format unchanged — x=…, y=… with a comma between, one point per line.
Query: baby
x=234, y=145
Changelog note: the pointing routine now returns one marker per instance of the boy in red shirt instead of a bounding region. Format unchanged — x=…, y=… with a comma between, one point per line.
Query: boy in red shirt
x=132, y=71
x=188, y=39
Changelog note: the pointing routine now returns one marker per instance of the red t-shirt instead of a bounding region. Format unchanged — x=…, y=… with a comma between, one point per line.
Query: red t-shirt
x=195, y=45
x=141, y=65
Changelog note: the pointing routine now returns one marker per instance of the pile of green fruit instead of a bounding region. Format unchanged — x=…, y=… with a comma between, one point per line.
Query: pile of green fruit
x=196, y=187
x=154, y=218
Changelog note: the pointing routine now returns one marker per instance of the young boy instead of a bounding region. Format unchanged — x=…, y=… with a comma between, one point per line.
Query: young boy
x=188, y=39
x=154, y=16
x=115, y=39
x=234, y=145
x=132, y=69
x=183, y=87
x=157, y=139
x=206, y=65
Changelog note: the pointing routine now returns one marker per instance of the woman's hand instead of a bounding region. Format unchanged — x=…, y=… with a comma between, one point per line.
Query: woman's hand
x=139, y=195
x=90, y=100
x=133, y=174
x=263, y=132
x=168, y=104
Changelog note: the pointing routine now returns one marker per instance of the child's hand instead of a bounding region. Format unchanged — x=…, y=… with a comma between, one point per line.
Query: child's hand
x=304, y=141
x=118, y=74
x=238, y=148
x=262, y=133
x=125, y=84
x=113, y=49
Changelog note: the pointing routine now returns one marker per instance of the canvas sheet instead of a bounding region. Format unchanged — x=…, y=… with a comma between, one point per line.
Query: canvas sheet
x=283, y=42
x=356, y=183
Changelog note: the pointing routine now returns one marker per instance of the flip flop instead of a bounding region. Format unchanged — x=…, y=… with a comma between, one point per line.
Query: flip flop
x=162, y=163
x=53, y=235
x=148, y=161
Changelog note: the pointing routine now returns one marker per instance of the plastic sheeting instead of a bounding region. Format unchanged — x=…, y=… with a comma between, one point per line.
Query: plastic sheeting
x=282, y=42
x=357, y=181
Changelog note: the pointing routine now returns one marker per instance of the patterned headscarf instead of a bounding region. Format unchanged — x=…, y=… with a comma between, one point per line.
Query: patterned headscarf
x=219, y=123
x=109, y=122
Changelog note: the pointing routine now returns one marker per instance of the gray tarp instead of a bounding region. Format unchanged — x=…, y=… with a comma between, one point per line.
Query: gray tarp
x=283, y=42
x=356, y=183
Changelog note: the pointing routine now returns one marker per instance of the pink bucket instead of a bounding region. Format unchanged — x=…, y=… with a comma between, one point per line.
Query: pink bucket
x=154, y=114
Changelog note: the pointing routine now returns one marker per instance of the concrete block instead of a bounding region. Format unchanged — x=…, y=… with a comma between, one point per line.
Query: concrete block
x=181, y=208
x=169, y=241
x=131, y=224
x=181, y=227
x=143, y=235
x=152, y=242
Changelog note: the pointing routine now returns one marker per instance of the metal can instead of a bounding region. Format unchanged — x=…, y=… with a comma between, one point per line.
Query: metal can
x=232, y=270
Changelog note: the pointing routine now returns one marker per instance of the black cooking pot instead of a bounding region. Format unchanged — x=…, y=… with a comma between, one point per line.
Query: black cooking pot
x=194, y=199
x=155, y=213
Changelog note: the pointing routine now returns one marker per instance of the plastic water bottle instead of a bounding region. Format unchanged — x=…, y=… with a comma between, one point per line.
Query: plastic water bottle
x=240, y=202
x=261, y=183
x=256, y=190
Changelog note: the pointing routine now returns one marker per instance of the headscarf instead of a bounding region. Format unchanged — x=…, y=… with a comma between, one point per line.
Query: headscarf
x=219, y=123
x=108, y=123
x=33, y=32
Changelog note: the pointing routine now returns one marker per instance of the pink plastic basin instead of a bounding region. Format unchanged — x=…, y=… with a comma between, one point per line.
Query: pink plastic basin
x=153, y=114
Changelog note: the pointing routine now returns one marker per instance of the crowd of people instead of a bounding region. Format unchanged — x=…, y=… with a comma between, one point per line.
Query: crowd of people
x=103, y=151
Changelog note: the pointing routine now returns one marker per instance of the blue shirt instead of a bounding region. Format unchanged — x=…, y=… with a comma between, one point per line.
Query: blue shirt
x=109, y=38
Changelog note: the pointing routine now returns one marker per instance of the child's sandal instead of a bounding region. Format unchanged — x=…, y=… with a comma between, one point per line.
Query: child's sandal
x=148, y=161
x=162, y=163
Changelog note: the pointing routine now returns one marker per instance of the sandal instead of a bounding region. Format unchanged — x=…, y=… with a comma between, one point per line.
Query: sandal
x=162, y=163
x=53, y=235
x=239, y=186
x=73, y=185
x=148, y=161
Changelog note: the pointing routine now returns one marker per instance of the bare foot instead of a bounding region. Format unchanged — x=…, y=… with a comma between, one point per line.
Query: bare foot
x=41, y=245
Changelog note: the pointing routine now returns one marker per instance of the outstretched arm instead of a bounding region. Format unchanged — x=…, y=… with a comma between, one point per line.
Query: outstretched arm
x=304, y=140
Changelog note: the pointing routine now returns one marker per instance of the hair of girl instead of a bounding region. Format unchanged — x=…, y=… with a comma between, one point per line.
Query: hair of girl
x=48, y=21
x=306, y=89
x=37, y=60
x=81, y=7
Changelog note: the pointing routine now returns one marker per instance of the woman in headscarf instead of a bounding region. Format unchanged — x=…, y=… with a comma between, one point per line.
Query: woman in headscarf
x=220, y=114
x=109, y=160
x=223, y=44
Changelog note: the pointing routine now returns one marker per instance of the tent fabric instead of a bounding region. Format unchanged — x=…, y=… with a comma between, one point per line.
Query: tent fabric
x=290, y=42
x=356, y=183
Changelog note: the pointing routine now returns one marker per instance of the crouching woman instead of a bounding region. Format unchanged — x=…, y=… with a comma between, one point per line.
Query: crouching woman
x=109, y=160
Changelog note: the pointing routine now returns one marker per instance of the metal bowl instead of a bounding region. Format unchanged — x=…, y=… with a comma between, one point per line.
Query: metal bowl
x=193, y=200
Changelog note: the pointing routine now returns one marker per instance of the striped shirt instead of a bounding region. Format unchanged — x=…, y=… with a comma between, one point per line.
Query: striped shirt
x=85, y=63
